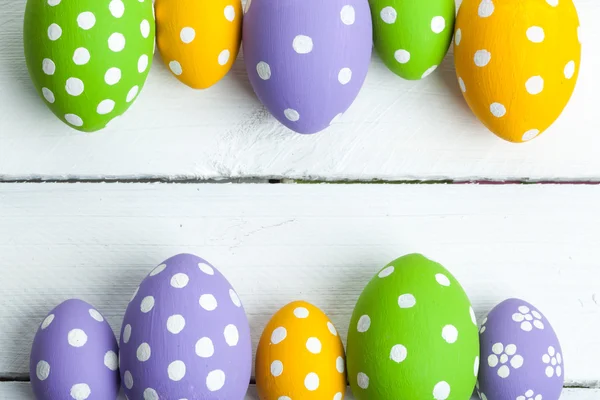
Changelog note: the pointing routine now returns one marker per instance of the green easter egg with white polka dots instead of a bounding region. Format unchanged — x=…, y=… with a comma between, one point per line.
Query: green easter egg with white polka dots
x=89, y=60
x=413, y=335
x=412, y=37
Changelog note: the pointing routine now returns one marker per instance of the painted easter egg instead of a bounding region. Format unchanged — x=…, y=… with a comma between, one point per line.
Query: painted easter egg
x=413, y=335
x=412, y=37
x=74, y=355
x=307, y=67
x=185, y=335
x=198, y=39
x=300, y=356
x=521, y=355
x=88, y=60
x=517, y=81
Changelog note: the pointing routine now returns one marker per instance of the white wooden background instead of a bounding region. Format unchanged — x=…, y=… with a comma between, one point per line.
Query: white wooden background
x=84, y=237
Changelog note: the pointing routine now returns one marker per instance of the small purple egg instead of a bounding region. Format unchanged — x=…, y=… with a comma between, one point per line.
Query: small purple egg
x=521, y=358
x=307, y=60
x=185, y=335
x=74, y=355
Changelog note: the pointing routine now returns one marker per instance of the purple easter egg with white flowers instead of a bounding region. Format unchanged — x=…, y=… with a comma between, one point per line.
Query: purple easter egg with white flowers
x=74, y=355
x=185, y=335
x=521, y=358
x=307, y=59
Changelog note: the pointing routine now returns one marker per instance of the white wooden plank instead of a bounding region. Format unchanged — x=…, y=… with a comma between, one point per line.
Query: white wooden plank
x=321, y=243
x=395, y=129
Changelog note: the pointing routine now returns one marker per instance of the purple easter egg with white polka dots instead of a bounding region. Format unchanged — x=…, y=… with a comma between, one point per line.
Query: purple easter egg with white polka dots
x=74, y=355
x=307, y=59
x=521, y=358
x=185, y=335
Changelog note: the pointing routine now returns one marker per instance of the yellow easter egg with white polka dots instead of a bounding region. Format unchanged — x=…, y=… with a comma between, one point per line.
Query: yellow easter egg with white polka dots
x=198, y=40
x=517, y=63
x=300, y=356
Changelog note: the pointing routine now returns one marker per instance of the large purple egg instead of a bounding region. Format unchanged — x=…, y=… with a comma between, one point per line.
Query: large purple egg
x=74, y=355
x=521, y=358
x=307, y=59
x=185, y=335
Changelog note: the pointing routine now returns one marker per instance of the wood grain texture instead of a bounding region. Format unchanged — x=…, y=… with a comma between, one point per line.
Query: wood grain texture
x=320, y=243
x=395, y=130
x=22, y=391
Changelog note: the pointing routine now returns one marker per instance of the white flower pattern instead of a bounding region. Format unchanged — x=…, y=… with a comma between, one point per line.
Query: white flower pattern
x=505, y=357
x=528, y=319
x=530, y=395
x=553, y=359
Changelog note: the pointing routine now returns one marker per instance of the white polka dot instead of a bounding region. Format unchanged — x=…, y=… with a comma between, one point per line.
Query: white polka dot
x=498, y=110
x=476, y=366
x=524, y=309
x=302, y=44
x=42, y=370
x=81, y=56
x=339, y=365
x=388, y=15
x=47, y=321
x=311, y=382
x=276, y=368
x=117, y=8
x=281, y=397
x=364, y=323
x=536, y=314
x=132, y=93
x=570, y=69
x=558, y=371
x=116, y=42
x=232, y=335
x=535, y=85
x=179, y=280
x=208, y=302
x=462, y=85
x=229, y=13
x=126, y=333
x=313, y=345
x=105, y=107
x=516, y=361
x=429, y=72
x=291, y=114
x=301, y=312
x=348, y=15
x=223, y=57
x=187, y=35
x=535, y=34
x=458, y=37
x=112, y=76
x=510, y=349
x=48, y=66
x=142, y=63
x=503, y=358
x=77, y=338
x=234, y=298
x=549, y=371
x=492, y=360
x=205, y=348
x=387, y=271
x=344, y=76
x=175, y=323
x=450, y=333
x=407, y=301
x=553, y=3
x=486, y=8
x=482, y=58
x=438, y=24
x=54, y=32
x=145, y=29
x=111, y=361
x=53, y=3
x=74, y=86
x=74, y=120
x=215, y=380
x=473, y=318
x=402, y=56
x=441, y=391
x=147, y=304
x=503, y=371
x=264, y=70
x=530, y=134
x=362, y=380
x=150, y=394
x=207, y=269
x=398, y=353
x=143, y=352
x=278, y=335
x=331, y=328
x=80, y=391
x=86, y=20
x=175, y=67
x=128, y=380
x=176, y=370
x=442, y=279
x=538, y=324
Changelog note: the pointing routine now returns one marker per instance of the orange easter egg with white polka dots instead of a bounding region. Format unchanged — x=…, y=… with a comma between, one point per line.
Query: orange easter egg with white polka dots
x=300, y=356
x=198, y=40
x=517, y=63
